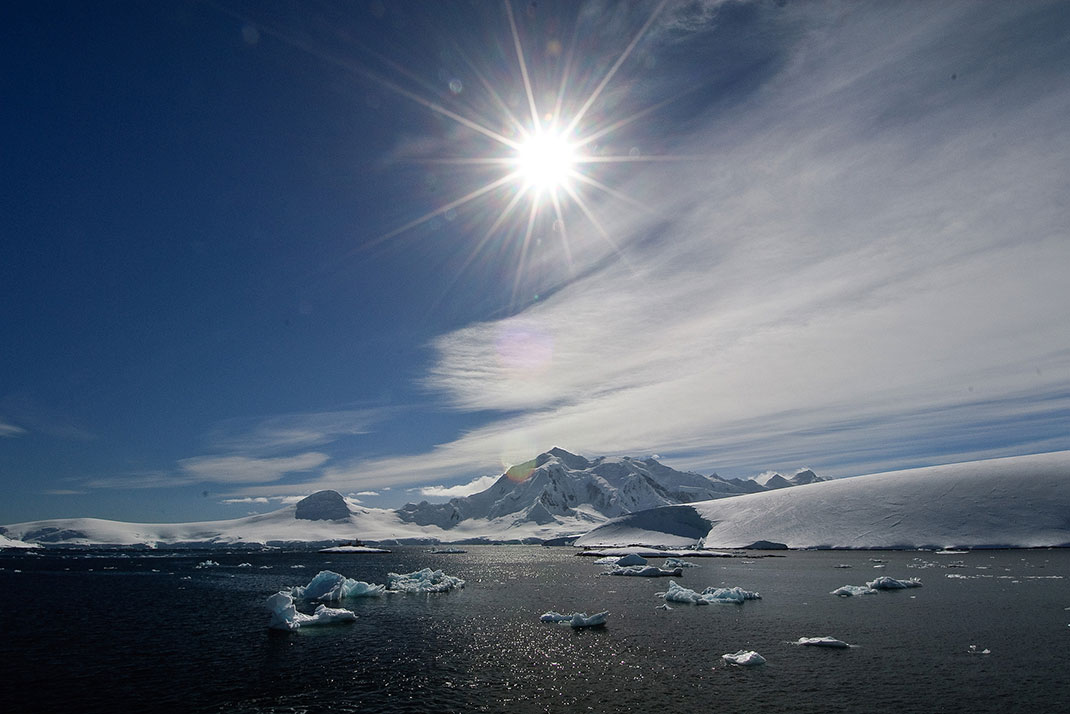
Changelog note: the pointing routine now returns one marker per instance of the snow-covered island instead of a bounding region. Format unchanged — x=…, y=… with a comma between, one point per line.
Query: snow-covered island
x=1017, y=502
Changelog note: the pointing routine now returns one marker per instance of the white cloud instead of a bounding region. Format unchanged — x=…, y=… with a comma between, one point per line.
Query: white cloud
x=292, y=431
x=10, y=430
x=246, y=499
x=459, y=491
x=246, y=469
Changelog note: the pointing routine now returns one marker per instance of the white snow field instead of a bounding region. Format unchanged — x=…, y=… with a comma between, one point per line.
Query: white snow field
x=1016, y=502
x=6, y=542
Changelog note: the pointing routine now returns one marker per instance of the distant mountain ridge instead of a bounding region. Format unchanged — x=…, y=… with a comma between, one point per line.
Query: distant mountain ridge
x=559, y=485
x=554, y=495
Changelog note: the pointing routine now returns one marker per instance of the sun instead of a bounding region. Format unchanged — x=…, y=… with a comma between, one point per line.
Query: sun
x=545, y=161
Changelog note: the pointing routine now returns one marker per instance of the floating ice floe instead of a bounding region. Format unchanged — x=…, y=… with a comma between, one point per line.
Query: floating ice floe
x=332, y=587
x=284, y=614
x=744, y=658
x=873, y=586
x=576, y=619
x=678, y=593
x=822, y=642
x=973, y=650
x=663, y=606
x=852, y=590
x=677, y=563
x=646, y=571
x=422, y=581
x=630, y=559
x=208, y=564
x=886, y=583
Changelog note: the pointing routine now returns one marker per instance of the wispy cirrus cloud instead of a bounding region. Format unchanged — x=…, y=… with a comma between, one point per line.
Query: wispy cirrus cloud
x=247, y=469
x=476, y=485
x=10, y=430
x=284, y=432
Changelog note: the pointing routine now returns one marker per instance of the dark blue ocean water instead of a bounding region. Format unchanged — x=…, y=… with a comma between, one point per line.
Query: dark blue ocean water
x=89, y=631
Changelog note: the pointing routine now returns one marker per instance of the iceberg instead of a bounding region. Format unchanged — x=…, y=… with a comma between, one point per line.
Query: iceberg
x=677, y=563
x=284, y=615
x=576, y=619
x=332, y=587
x=631, y=559
x=744, y=658
x=423, y=581
x=678, y=593
x=886, y=583
x=645, y=571
x=852, y=590
x=822, y=642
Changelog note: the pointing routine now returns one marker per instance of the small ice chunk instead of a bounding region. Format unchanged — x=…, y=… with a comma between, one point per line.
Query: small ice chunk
x=744, y=658
x=608, y=560
x=422, y=581
x=208, y=564
x=329, y=586
x=886, y=583
x=852, y=590
x=646, y=571
x=973, y=650
x=284, y=614
x=663, y=606
x=580, y=619
x=631, y=559
x=678, y=593
x=842, y=565
x=245, y=565
x=576, y=619
x=822, y=642
x=677, y=563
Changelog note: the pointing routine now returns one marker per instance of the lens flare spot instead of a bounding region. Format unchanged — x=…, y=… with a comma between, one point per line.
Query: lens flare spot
x=521, y=472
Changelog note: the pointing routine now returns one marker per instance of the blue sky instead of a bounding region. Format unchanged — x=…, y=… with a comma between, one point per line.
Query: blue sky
x=237, y=266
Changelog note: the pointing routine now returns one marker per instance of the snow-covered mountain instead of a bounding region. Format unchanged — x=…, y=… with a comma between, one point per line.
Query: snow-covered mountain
x=554, y=495
x=771, y=480
x=1020, y=502
x=559, y=487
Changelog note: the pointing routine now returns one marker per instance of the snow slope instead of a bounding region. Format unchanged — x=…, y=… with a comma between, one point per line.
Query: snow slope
x=1021, y=501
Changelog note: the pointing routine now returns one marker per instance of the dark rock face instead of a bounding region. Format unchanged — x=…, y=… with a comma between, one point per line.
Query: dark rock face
x=322, y=506
x=765, y=545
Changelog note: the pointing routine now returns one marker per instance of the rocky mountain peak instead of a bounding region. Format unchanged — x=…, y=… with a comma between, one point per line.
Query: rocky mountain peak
x=322, y=506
